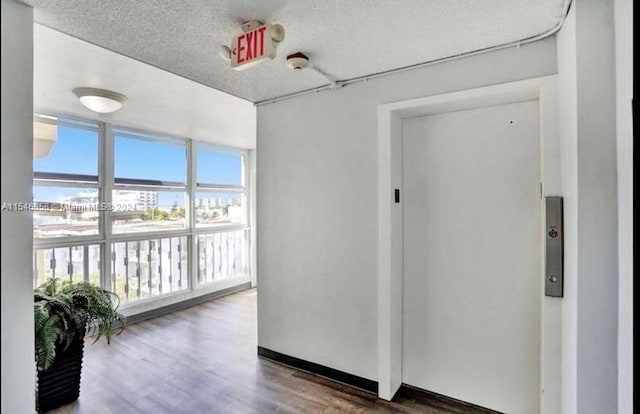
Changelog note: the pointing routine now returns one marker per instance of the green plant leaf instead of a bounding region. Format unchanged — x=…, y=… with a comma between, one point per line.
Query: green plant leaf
x=65, y=311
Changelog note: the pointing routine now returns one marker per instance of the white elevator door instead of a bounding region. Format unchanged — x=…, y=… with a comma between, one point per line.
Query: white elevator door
x=471, y=211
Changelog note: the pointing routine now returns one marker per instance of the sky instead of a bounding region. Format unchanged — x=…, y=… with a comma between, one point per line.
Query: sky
x=76, y=152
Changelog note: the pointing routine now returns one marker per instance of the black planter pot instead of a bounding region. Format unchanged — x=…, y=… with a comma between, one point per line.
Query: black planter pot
x=60, y=383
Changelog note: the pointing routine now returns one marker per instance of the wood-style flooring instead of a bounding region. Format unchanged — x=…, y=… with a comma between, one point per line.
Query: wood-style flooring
x=203, y=360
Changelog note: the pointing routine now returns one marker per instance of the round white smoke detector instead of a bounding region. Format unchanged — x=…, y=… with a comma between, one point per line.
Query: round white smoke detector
x=298, y=61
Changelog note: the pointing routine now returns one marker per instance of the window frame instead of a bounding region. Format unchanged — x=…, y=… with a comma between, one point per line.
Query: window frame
x=142, y=184
x=243, y=188
x=62, y=180
x=107, y=182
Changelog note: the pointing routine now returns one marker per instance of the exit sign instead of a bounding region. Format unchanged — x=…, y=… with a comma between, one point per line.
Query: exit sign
x=252, y=47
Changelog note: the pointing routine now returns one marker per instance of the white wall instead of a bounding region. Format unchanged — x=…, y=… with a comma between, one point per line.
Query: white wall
x=587, y=123
x=18, y=366
x=568, y=126
x=624, y=134
x=317, y=205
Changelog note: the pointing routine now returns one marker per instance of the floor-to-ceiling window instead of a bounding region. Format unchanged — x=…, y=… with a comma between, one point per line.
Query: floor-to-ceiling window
x=142, y=214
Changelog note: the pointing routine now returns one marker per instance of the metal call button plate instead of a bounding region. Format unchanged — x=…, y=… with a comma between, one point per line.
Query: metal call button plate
x=554, y=238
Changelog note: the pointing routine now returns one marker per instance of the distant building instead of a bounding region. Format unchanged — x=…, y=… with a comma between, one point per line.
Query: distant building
x=141, y=200
x=123, y=199
x=86, y=198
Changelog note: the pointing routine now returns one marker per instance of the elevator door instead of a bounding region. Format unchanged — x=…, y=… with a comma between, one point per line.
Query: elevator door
x=471, y=290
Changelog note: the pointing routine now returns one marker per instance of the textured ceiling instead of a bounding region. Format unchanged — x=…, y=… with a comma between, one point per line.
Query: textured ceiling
x=344, y=38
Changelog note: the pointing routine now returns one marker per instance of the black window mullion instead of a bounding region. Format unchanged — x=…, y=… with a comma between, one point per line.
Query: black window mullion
x=65, y=177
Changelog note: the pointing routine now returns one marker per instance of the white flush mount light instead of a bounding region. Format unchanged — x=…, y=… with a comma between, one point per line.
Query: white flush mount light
x=100, y=100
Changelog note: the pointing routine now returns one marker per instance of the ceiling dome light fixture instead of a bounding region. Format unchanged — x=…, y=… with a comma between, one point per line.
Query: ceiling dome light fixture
x=100, y=100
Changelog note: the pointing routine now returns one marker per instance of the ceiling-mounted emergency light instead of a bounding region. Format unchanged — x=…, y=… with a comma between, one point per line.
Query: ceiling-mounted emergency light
x=257, y=43
x=224, y=52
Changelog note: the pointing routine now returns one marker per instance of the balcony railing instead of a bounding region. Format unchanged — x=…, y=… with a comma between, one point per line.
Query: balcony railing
x=74, y=263
x=147, y=267
x=222, y=255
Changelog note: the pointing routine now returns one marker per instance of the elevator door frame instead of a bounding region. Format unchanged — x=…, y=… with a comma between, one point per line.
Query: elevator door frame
x=390, y=250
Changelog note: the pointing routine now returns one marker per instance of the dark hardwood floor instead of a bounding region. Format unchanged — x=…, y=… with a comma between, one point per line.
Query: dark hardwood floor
x=203, y=360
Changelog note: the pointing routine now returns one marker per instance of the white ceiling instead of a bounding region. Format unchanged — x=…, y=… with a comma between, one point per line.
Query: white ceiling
x=158, y=101
x=345, y=38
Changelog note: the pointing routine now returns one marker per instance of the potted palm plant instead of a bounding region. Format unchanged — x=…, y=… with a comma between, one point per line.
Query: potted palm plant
x=64, y=313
